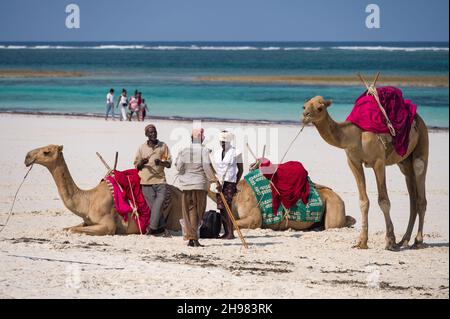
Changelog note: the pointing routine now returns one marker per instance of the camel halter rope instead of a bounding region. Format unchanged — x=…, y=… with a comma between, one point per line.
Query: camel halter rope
x=15, y=197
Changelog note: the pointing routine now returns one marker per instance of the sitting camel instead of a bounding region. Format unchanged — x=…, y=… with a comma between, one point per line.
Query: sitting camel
x=369, y=149
x=94, y=206
x=248, y=214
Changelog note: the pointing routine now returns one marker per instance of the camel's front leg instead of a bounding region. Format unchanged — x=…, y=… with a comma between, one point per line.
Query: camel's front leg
x=106, y=226
x=385, y=204
x=335, y=209
x=252, y=220
x=76, y=226
x=94, y=230
x=358, y=172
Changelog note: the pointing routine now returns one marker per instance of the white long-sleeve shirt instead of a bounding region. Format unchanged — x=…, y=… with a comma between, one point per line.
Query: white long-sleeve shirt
x=227, y=168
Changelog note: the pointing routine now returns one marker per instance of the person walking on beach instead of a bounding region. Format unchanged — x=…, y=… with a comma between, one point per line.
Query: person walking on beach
x=122, y=104
x=110, y=104
x=133, y=107
x=143, y=109
x=195, y=172
x=151, y=159
x=229, y=169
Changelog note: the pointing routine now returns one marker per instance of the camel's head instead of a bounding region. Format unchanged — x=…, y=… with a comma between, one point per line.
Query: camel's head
x=44, y=155
x=314, y=109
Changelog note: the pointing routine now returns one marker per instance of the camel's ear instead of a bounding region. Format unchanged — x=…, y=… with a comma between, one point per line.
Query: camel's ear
x=60, y=148
x=327, y=103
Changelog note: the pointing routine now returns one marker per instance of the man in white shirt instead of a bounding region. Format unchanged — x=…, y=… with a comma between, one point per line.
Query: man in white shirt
x=229, y=169
x=110, y=104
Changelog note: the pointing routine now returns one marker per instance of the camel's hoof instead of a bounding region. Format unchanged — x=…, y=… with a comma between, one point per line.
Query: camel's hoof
x=403, y=243
x=392, y=247
x=361, y=246
x=418, y=245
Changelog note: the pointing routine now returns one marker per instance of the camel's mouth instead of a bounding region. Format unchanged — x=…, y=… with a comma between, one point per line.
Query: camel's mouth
x=29, y=161
x=306, y=119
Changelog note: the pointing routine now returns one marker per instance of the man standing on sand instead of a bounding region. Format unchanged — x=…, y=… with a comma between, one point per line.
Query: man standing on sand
x=110, y=104
x=150, y=160
x=229, y=168
x=195, y=172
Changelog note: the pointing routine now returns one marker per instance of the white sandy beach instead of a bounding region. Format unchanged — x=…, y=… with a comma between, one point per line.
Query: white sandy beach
x=39, y=260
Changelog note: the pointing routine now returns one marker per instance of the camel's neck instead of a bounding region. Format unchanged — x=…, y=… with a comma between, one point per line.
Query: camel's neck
x=336, y=134
x=67, y=188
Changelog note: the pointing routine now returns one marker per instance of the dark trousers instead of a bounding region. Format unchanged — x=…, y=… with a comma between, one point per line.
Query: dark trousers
x=154, y=195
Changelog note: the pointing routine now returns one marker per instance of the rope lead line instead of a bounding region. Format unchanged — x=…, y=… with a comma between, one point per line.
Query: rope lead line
x=14, y=200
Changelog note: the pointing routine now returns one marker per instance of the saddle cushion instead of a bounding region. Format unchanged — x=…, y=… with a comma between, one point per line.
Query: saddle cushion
x=366, y=114
x=312, y=211
x=129, y=196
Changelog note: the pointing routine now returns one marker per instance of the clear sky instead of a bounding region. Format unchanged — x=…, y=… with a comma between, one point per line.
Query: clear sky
x=224, y=20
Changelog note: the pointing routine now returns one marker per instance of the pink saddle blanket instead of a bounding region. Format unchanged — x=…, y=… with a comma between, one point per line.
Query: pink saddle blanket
x=367, y=115
x=129, y=196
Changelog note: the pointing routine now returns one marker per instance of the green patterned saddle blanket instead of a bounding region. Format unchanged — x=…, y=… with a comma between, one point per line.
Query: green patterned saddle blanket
x=311, y=212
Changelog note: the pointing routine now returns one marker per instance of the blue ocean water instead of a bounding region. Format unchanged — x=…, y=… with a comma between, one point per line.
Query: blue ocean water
x=167, y=74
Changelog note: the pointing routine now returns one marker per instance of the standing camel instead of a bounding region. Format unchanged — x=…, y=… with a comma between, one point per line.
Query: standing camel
x=369, y=149
x=94, y=206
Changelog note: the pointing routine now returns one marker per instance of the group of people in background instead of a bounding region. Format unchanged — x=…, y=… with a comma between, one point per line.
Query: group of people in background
x=127, y=106
x=197, y=168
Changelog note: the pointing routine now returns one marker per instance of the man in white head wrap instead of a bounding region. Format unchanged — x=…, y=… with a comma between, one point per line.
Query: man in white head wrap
x=229, y=169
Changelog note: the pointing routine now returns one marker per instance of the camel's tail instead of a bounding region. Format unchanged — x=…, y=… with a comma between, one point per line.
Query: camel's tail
x=349, y=221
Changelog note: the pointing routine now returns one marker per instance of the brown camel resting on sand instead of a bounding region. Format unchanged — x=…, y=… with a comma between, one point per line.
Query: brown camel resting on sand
x=94, y=206
x=367, y=148
x=248, y=214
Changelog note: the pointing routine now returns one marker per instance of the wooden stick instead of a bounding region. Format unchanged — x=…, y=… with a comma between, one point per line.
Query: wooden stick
x=363, y=81
x=376, y=79
x=251, y=152
x=373, y=91
x=109, y=170
x=115, y=160
x=103, y=161
x=264, y=151
x=230, y=214
x=135, y=213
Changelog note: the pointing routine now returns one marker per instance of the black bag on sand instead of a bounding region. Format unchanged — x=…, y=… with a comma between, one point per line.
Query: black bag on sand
x=211, y=225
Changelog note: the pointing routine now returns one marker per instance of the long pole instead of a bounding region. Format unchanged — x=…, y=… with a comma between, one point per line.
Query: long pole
x=109, y=173
x=230, y=214
x=115, y=160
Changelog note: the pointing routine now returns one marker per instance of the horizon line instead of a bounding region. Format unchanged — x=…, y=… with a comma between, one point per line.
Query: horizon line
x=217, y=41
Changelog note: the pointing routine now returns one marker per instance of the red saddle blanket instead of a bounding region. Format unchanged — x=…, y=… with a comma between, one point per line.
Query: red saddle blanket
x=129, y=196
x=366, y=114
x=289, y=183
